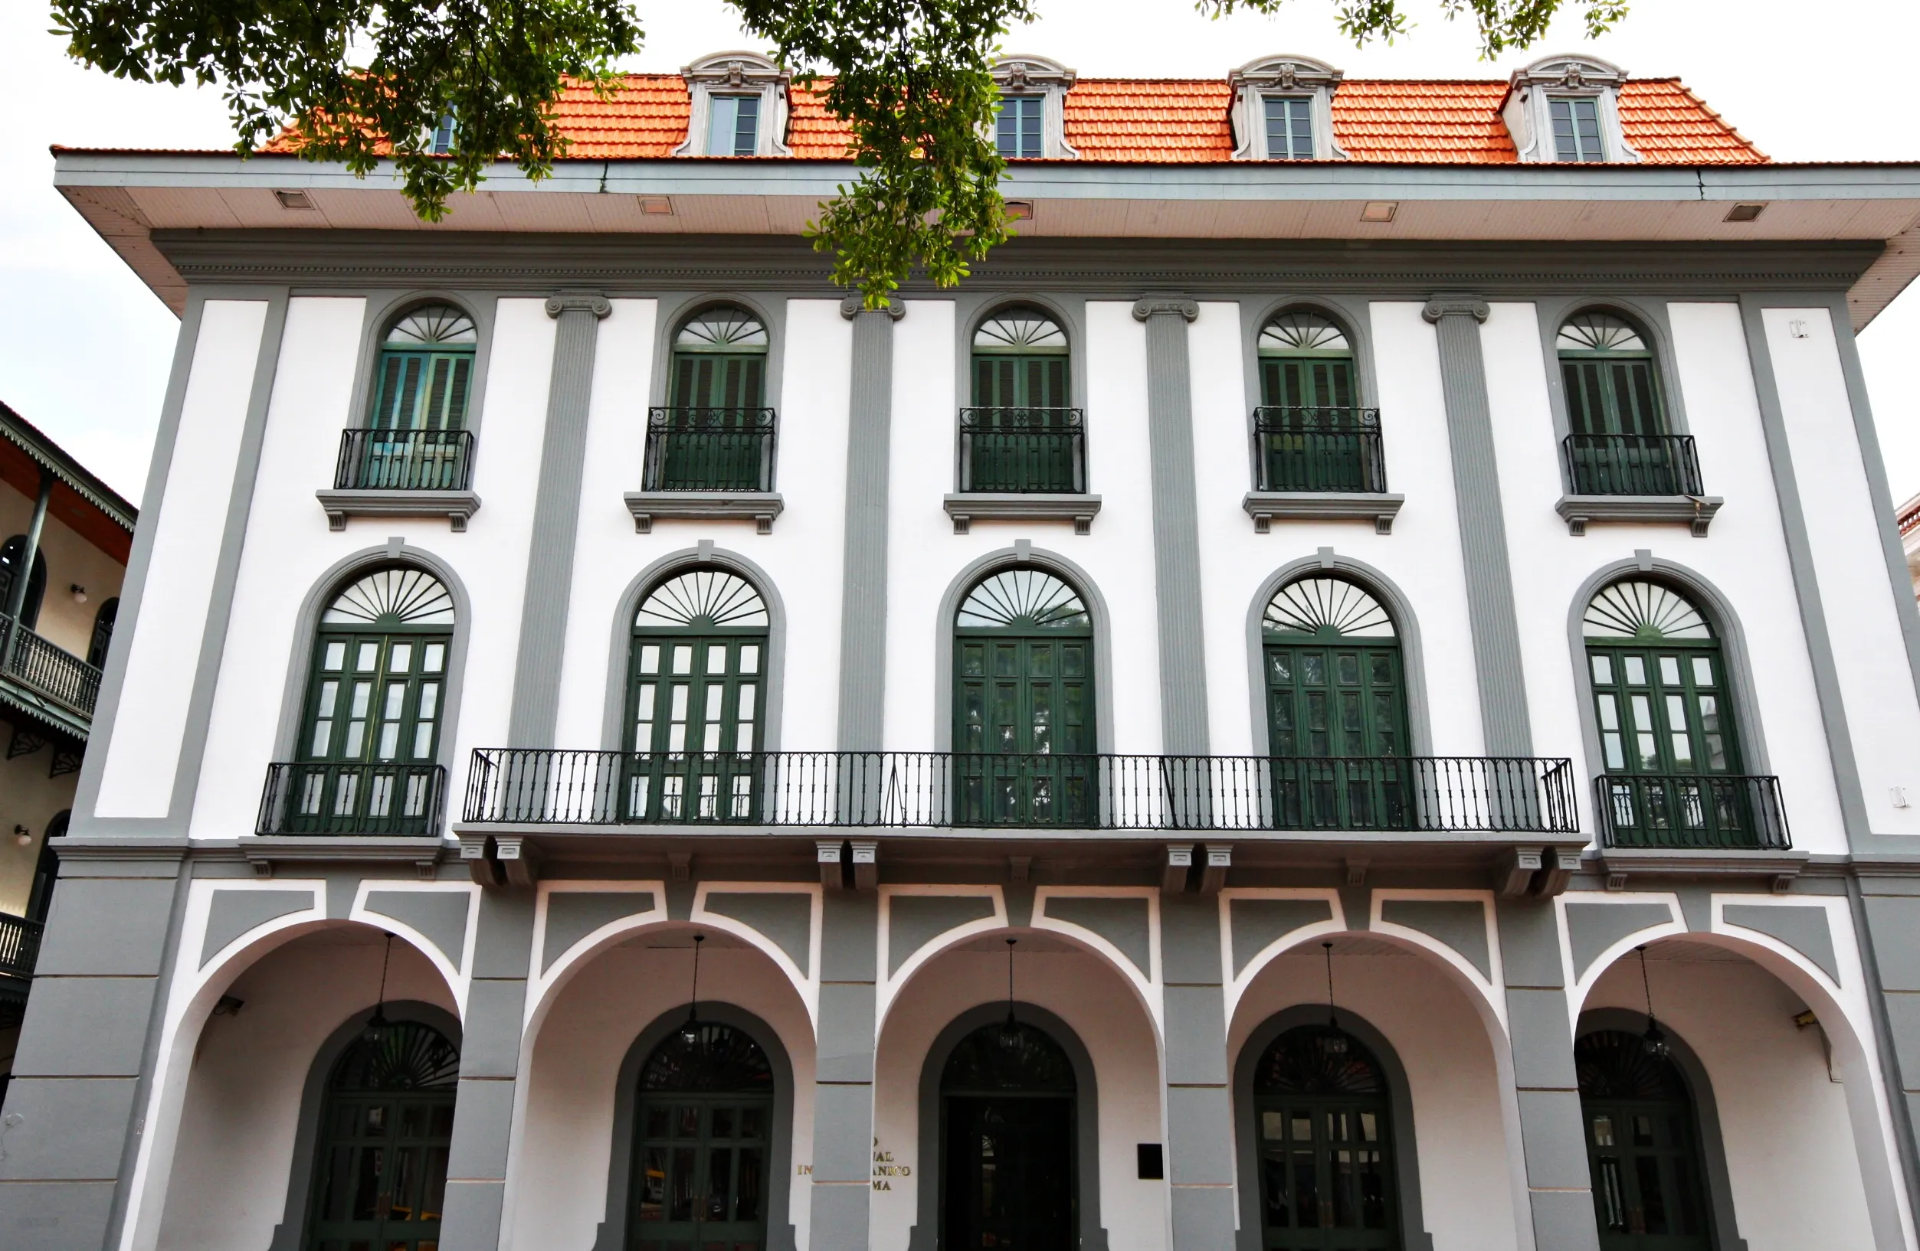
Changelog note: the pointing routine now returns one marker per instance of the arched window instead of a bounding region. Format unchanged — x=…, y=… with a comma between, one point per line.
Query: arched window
x=1323, y=1126
x=1009, y=1146
x=703, y=1136
x=1022, y=433
x=370, y=736
x=716, y=433
x=46, y=872
x=13, y=554
x=1643, y=1145
x=1023, y=701
x=1336, y=707
x=1309, y=433
x=1664, y=710
x=102, y=633
x=425, y=370
x=1618, y=441
x=385, y=1127
x=696, y=698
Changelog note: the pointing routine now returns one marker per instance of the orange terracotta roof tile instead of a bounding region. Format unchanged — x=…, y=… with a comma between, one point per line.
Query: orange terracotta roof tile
x=1668, y=125
x=1450, y=123
x=1118, y=119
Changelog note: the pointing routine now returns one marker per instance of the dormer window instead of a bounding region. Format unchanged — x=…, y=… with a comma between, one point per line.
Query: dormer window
x=442, y=142
x=1566, y=110
x=1031, y=121
x=737, y=106
x=1289, y=128
x=735, y=126
x=1020, y=128
x=1282, y=110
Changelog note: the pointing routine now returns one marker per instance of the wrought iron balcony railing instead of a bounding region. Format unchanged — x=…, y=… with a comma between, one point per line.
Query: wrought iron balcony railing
x=1023, y=451
x=51, y=671
x=328, y=797
x=1318, y=449
x=709, y=449
x=19, y=946
x=404, y=460
x=516, y=786
x=1691, y=812
x=1632, y=464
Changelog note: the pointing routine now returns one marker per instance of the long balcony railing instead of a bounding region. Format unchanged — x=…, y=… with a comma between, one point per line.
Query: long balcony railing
x=709, y=449
x=19, y=946
x=1318, y=449
x=1632, y=464
x=940, y=789
x=1691, y=812
x=1023, y=451
x=334, y=798
x=404, y=460
x=48, y=670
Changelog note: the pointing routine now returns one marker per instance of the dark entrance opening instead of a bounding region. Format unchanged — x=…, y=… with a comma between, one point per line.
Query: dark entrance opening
x=1008, y=1113
x=703, y=1129
x=1323, y=1123
x=1643, y=1145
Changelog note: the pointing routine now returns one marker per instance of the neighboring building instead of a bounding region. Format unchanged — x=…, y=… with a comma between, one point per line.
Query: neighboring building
x=1908, y=520
x=64, y=539
x=598, y=707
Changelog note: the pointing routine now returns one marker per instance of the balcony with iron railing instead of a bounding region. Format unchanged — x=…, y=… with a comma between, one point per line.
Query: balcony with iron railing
x=704, y=463
x=49, y=674
x=1319, y=464
x=328, y=797
x=1690, y=812
x=1021, y=464
x=1634, y=477
x=402, y=473
x=19, y=951
x=907, y=790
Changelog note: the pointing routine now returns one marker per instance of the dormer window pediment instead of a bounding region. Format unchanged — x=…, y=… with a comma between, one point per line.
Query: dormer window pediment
x=1282, y=110
x=739, y=106
x=1566, y=110
x=1032, y=119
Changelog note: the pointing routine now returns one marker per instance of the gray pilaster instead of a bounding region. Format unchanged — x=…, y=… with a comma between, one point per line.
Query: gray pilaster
x=1483, y=535
x=843, y=1077
x=863, y=611
x=556, y=519
x=489, y=1063
x=1200, y=1173
x=1552, y=1141
x=1176, y=525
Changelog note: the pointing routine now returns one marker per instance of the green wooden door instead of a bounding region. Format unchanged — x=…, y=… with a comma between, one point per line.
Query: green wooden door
x=385, y=1130
x=703, y=1144
x=1310, y=435
x=1336, y=709
x=1643, y=1147
x=1021, y=434
x=1323, y=1135
x=372, y=731
x=422, y=385
x=716, y=433
x=1614, y=410
x=1009, y=1142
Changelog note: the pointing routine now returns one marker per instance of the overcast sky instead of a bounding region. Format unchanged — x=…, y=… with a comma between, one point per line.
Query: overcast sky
x=85, y=347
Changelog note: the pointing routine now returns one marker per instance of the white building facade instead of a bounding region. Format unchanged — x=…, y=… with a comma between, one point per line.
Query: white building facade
x=1317, y=700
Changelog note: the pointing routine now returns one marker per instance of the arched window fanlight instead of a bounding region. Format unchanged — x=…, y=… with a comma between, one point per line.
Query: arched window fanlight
x=1644, y=611
x=1293, y=333
x=716, y=1059
x=722, y=329
x=1024, y=331
x=391, y=597
x=1325, y=607
x=433, y=325
x=406, y=1056
x=1023, y=599
x=1599, y=332
x=703, y=599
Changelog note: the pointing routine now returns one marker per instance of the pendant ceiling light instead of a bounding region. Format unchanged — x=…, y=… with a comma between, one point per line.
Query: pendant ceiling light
x=1655, y=1039
x=691, y=1030
x=1010, y=1028
x=1334, y=1043
x=377, y=1024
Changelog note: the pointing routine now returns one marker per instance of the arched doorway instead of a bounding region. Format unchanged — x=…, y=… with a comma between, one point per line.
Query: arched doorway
x=1323, y=1125
x=702, y=1135
x=1007, y=1107
x=385, y=1128
x=1643, y=1145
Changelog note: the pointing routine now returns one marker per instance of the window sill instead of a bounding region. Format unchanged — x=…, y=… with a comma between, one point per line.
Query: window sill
x=1778, y=867
x=1693, y=511
x=759, y=507
x=967, y=507
x=455, y=506
x=1267, y=506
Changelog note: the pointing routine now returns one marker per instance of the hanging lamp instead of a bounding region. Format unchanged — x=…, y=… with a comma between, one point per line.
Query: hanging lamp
x=377, y=1025
x=1010, y=1028
x=1654, y=1041
x=690, y=1032
x=1334, y=1043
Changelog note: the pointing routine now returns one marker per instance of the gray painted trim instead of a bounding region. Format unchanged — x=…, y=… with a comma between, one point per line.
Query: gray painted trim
x=306, y=627
x=614, y=711
x=1696, y=512
x=971, y=506
x=863, y=607
x=133, y=593
x=977, y=570
x=1899, y=1105
x=759, y=507
x=1706, y=1112
x=290, y=1233
x=385, y=307
x=1267, y=507
x=456, y=506
x=535, y=710
x=1505, y=726
x=972, y=305
x=1718, y=610
x=611, y=1233
x=1406, y=624
x=1406, y=1153
x=928, y=1232
x=676, y=306
x=1176, y=524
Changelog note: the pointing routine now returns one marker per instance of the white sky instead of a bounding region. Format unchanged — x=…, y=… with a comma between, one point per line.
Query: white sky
x=85, y=347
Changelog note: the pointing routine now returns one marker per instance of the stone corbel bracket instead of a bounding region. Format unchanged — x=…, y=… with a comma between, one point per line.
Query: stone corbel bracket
x=1696, y=512
x=759, y=507
x=456, y=506
x=1266, y=507
x=966, y=508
